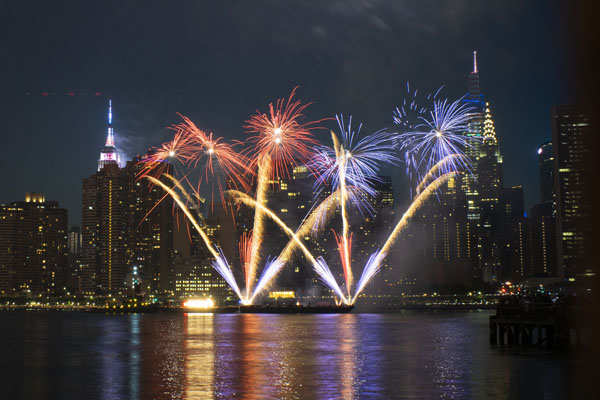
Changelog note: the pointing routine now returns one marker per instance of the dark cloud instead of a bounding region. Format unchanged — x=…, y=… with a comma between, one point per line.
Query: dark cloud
x=217, y=62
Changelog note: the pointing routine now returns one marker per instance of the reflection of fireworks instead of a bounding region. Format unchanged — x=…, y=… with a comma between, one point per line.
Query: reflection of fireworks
x=281, y=134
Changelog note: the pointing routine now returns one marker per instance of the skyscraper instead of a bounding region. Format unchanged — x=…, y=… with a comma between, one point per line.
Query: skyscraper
x=33, y=245
x=109, y=153
x=488, y=172
x=542, y=240
x=512, y=235
x=150, y=230
x=546, y=166
x=541, y=232
x=74, y=240
x=126, y=227
x=570, y=127
x=105, y=220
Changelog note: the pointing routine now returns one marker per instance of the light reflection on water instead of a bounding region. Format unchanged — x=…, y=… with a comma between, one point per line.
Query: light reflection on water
x=251, y=356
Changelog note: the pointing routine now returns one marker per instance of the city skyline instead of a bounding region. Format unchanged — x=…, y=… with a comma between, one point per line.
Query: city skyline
x=75, y=124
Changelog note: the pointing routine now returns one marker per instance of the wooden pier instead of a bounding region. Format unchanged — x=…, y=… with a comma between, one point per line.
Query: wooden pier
x=532, y=324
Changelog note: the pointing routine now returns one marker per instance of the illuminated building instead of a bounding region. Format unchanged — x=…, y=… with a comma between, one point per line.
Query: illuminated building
x=513, y=235
x=546, y=166
x=74, y=240
x=570, y=126
x=150, y=234
x=292, y=198
x=194, y=275
x=123, y=234
x=542, y=240
x=33, y=245
x=109, y=153
x=105, y=208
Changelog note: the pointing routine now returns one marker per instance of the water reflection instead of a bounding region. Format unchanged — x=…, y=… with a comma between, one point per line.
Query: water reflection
x=251, y=356
x=199, y=355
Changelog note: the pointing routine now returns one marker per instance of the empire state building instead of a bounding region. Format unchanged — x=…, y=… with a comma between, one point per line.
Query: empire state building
x=109, y=153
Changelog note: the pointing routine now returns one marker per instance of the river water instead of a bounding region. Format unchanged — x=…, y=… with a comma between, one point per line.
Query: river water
x=407, y=355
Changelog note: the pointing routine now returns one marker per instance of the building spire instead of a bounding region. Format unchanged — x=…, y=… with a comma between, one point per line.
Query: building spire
x=110, y=138
x=475, y=62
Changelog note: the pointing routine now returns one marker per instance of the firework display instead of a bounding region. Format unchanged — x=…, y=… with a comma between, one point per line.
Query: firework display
x=197, y=167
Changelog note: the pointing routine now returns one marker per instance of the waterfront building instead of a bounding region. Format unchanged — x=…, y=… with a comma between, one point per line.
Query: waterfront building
x=570, y=129
x=33, y=246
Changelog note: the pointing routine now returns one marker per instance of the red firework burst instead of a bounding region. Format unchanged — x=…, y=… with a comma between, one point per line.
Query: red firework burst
x=281, y=135
x=220, y=165
x=155, y=162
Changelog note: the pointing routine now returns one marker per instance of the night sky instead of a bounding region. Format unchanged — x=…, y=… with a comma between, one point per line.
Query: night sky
x=218, y=63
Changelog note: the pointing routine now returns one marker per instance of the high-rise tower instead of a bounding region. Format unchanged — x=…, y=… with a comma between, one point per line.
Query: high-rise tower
x=109, y=153
x=570, y=128
x=546, y=165
x=483, y=186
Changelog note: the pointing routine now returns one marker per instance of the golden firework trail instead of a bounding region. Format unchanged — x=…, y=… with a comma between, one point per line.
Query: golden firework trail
x=249, y=201
x=435, y=169
x=414, y=206
x=187, y=213
x=342, y=155
x=316, y=218
x=374, y=264
x=264, y=171
x=220, y=263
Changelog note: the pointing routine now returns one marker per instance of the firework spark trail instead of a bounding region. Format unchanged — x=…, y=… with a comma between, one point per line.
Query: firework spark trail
x=371, y=269
x=179, y=186
x=249, y=201
x=441, y=165
x=355, y=162
x=221, y=265
x=187, y=213
x=271, y=269
x=322, y=269
x=264, y=169
x=315, y=220
x=414, y=206
x=245, y=246
x=373, y=265
x=342, y=155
